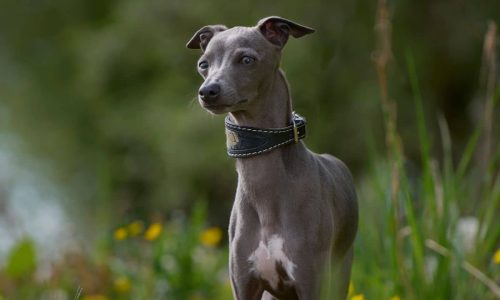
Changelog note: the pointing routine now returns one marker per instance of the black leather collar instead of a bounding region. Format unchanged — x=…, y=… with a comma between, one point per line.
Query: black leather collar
x=244, y=141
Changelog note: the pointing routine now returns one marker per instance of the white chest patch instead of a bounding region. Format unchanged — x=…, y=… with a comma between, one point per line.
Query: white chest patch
x=267, y=258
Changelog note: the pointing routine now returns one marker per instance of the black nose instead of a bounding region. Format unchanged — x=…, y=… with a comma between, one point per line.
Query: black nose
x=209, y=92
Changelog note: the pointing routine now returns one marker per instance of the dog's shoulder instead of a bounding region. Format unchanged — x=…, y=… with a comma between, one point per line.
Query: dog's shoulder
x=337, y=168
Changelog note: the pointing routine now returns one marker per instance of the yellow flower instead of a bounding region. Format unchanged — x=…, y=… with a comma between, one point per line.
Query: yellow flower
x=122, y=284
x=153, y=231
x=358, y=297
x=351, y=289
x=395, y=298
x=496, y=257
x=94, y=297
x=211, y=237
x=135, y=228
x=120, y=234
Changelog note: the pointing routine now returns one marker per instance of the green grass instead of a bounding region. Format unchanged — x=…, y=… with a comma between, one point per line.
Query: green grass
x=410, y=243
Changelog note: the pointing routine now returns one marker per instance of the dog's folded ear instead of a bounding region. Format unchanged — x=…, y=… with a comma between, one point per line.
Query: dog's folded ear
x=201, y=38
x=277, y=29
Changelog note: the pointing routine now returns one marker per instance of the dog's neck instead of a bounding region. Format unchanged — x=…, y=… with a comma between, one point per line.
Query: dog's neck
x=274, y=110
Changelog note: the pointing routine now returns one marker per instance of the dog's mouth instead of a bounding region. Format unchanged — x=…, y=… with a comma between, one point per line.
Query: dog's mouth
x=221, y=108
x=215, y=106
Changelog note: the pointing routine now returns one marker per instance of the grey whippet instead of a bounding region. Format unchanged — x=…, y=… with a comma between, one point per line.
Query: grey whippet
x=295, y=213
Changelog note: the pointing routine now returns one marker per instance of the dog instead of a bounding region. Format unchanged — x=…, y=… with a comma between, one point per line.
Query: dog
x=295, y=213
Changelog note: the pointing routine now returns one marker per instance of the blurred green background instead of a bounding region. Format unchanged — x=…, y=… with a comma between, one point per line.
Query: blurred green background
x=100, y=128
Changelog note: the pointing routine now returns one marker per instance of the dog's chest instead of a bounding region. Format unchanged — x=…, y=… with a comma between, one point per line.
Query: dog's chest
x=270, y=263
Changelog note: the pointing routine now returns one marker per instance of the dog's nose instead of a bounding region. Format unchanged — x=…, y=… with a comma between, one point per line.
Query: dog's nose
x=209, y=92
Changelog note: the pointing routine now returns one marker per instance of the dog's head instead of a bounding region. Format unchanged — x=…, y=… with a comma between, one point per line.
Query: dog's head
x=239, y=63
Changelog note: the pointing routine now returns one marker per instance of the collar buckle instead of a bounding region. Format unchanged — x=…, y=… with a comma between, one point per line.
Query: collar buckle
x=295, y=129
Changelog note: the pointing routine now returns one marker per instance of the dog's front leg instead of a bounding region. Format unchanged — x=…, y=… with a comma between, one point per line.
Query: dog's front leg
x=313, y=270
x=245, y=284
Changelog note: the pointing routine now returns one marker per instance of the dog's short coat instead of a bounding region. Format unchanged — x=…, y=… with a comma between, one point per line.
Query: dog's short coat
x=295, y=212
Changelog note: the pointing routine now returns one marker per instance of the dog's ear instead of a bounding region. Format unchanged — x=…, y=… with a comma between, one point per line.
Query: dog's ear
x=276, y=30
x=201, y=38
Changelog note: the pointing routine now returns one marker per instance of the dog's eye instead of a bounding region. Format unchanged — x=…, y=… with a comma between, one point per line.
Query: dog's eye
x=203, y=65
x=246, y=60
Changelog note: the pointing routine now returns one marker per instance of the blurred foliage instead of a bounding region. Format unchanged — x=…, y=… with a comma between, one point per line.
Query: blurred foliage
x=22, y=260
x=178, y=260
x=105, y=91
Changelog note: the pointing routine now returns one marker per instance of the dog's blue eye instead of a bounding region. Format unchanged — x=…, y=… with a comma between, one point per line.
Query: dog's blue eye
x=203, y=65
x=246, y=60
